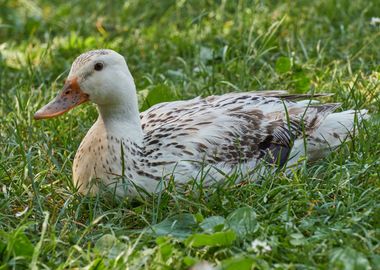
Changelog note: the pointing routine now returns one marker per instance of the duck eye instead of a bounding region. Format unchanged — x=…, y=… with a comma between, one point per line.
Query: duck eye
x=98, y=66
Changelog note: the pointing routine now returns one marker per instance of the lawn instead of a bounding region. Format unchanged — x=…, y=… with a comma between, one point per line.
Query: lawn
x=324, y=216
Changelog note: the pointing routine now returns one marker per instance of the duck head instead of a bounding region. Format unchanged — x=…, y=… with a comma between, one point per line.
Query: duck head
x=100, y=76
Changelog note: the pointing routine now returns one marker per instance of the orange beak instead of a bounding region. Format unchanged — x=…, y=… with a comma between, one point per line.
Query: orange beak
x=70, y=97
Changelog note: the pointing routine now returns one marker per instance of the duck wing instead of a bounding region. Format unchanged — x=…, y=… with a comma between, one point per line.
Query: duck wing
x=230, y=129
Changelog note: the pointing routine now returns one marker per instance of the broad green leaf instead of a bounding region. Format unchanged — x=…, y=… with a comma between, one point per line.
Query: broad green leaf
x=348, y=259
x=301, y=81
x=16, y=243
x=209, y=224
x=297, y=239
x=105, y=243
x=108, y=245
x=217, y=239
x=189, y=261
x=165, y=247
x=166, y=250
x=179, y=226
x=283, y=65
x=162, y=240
x=160, y=93
x=241, y=263
x=199, y=217
x=243, y=221
x=21, y=244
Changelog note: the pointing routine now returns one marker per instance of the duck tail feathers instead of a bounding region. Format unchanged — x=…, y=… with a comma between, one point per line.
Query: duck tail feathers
x=333, y=131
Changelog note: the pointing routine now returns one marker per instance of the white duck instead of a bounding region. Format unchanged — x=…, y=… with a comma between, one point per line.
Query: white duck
x=202, y=138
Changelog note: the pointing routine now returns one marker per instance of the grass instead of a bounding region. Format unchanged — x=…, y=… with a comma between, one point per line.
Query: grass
x=327, y=215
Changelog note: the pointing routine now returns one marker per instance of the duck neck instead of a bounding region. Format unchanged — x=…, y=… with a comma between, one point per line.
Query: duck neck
x=122, y=119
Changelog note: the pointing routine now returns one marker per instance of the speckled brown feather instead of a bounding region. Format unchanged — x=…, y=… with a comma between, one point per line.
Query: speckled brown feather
x=229, y=129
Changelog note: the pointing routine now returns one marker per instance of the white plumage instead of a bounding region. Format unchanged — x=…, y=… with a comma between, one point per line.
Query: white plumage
x=202, y=138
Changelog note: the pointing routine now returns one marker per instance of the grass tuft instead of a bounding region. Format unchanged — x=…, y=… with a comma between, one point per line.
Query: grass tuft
x=324, y=216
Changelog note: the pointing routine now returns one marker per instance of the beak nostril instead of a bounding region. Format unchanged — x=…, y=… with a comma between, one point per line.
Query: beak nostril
x=69, y=97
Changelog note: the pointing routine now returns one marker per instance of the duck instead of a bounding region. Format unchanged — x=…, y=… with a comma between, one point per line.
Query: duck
x=201, y=139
